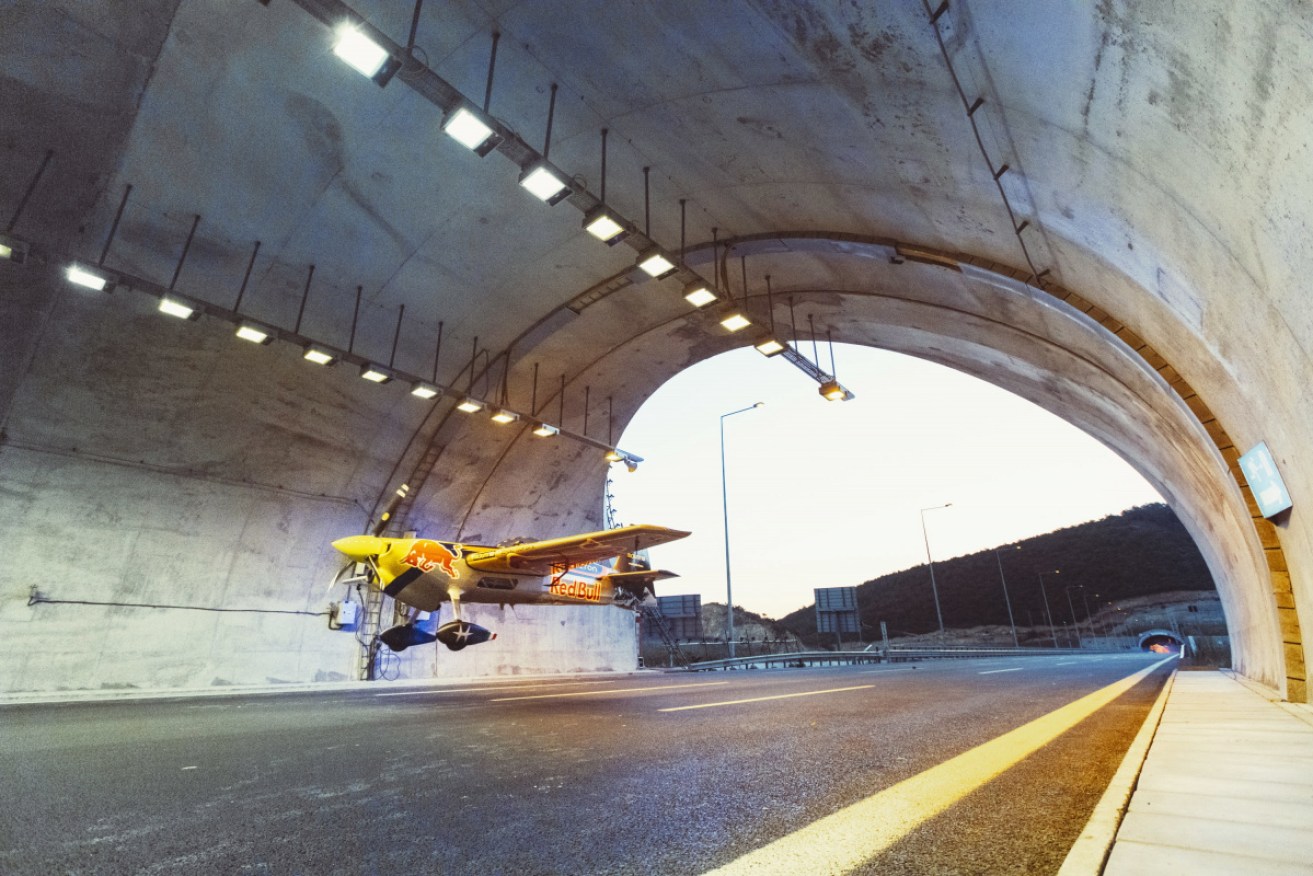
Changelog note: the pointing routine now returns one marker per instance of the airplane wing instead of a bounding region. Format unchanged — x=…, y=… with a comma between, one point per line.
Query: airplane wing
x=539, y=557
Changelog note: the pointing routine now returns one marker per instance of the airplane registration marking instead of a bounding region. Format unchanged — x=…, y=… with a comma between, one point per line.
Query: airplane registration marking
x=806, y=693
x=992, y=671
x=846, y=840
x=591, y=693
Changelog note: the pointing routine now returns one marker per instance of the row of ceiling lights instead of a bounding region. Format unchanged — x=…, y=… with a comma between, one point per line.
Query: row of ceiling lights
x=101, y=280
x=468, y=127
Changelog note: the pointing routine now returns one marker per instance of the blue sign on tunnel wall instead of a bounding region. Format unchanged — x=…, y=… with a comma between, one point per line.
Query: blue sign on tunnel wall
x=1265, y=481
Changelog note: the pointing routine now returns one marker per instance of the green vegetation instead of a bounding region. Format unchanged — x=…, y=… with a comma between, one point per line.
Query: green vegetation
x=1141, y=551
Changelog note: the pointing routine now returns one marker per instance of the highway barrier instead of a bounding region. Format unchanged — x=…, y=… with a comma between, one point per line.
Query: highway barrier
x=876, y=654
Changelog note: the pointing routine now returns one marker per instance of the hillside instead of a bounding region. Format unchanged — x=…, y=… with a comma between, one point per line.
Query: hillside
x=1141, y=551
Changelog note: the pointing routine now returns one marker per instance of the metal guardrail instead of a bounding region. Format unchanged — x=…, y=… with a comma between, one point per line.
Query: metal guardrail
x=796, y=658
x=895, y=654
x=879, y=655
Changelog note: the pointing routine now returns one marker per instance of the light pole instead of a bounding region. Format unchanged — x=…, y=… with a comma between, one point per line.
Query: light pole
x=724, y=504
x=1094, y=631
x=931, y=563
x=1006, y=601
x=1074, y=625
x=1052, y=631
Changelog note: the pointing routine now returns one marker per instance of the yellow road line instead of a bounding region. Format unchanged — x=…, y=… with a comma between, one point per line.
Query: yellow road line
x=845, y=840
x=806, y=693
x=592, y=693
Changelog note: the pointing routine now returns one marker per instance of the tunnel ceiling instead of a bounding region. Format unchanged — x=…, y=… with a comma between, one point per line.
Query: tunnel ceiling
x=1151, y=157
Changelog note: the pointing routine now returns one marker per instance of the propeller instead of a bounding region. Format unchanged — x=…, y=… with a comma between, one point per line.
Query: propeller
x=359, y=548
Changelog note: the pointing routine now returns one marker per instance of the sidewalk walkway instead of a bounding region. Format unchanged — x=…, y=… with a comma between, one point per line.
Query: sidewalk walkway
x=1227, y=787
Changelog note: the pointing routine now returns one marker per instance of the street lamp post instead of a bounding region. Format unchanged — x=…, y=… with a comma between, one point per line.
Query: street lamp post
x=931, y=563
x=1006, y=600
x=724, y=504
x=1094, y=631
x=1074, y=624
x=1052, y=632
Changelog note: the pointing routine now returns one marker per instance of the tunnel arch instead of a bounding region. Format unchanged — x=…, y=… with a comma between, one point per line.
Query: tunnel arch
x=1048, y=345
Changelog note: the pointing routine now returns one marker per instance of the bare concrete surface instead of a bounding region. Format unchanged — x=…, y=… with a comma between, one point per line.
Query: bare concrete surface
x=1227, y=787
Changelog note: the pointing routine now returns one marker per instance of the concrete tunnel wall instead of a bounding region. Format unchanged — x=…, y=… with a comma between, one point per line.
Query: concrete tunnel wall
x=1159, y=154
x=176, y=507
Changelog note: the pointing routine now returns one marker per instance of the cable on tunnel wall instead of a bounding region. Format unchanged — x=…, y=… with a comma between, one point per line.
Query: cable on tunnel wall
x=36, y=597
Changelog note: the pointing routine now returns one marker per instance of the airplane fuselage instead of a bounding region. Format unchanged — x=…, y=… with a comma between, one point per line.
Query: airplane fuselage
x=425, y=573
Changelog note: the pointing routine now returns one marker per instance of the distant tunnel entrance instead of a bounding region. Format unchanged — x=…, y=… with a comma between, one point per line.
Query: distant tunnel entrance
x=1161, y=641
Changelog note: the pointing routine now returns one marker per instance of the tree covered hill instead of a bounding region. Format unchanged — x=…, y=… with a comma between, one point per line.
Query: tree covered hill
x=1141, y=551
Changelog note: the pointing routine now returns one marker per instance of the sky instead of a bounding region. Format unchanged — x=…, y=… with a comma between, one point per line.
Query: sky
x=828, y=494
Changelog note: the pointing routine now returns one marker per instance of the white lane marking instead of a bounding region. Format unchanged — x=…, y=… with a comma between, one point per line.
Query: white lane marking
x=190, y=767
x=847, y=839
x=484, y=689
x=992, y=671
x=878, y=671
x=1065, y=662
x=591, y=693
x=806, y=693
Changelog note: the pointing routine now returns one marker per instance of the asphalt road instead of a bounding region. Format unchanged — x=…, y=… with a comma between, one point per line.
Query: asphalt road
x=585, y=776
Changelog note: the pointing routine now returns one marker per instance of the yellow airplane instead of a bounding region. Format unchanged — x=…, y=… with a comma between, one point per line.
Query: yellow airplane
x=575, y=570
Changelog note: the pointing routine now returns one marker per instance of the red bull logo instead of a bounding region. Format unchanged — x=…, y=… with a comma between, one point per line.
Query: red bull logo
x=590, y=591
x=429, y=555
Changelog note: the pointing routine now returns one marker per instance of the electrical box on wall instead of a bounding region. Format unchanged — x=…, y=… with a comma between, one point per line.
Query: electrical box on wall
x=346, y=614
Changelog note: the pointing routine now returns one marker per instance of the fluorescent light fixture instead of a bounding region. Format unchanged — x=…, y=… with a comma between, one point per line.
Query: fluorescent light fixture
x=601, y=223
x=12, y=250
x=375, y=374
x=769, y=346
x=656, y=264
x=319, y=355
x=698, y=294
x=255, y=333
x=472, y=132
x=614, y=456
x=364, y=55
x=469, y=405
x=834, y=391
x=180, y=309
x=424, y=391
x=80, y=276
x=543, y=183
x=503, y=416
x=545, y=430
x=735, y=321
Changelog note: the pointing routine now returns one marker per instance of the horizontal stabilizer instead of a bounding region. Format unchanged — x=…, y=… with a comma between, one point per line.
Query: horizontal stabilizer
x=641, y=575
x=638, y=583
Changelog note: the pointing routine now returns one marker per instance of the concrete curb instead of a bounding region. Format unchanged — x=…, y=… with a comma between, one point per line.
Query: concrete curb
x=132, y=695
x=1090, y=851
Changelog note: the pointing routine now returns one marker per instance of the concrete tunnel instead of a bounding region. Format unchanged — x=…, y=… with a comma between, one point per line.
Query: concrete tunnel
x=1101, y=210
